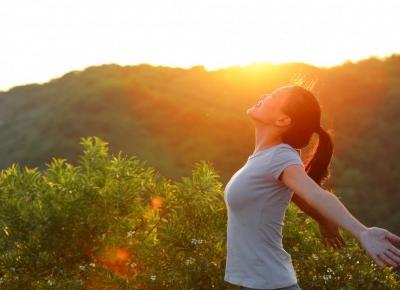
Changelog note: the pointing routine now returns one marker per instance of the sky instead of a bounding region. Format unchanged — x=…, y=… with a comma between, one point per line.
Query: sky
x=44, y=39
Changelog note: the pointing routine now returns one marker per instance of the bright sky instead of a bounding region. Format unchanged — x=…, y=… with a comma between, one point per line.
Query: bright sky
x=44, y=39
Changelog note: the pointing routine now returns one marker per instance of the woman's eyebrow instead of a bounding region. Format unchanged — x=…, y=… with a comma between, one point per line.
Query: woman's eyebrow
x=263, y=96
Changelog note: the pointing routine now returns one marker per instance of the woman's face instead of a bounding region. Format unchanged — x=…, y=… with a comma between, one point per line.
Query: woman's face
x=268, y=109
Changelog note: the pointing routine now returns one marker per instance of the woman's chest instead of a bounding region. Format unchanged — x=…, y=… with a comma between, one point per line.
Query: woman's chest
x=252, y=186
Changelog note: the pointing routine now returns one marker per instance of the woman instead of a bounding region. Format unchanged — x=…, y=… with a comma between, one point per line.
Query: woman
x=258, y=194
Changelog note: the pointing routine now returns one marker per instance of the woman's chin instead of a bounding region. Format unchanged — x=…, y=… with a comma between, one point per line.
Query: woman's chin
x=254, y=116
x=249, y=110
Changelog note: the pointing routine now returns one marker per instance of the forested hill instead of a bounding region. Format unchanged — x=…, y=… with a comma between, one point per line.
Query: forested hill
x=172, y=117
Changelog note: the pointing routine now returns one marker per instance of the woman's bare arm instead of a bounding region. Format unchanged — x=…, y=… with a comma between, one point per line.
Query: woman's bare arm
x=376, y=241
x=329, y=231
x=307, y=208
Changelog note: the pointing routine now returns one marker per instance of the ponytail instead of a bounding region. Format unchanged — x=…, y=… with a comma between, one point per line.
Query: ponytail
x=317, y=166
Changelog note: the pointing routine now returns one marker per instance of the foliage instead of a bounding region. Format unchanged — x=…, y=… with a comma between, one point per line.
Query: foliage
x=173, y=117
x=112, y=222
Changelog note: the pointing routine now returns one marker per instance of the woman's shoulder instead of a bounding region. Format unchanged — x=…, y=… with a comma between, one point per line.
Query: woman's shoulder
x=284, y=147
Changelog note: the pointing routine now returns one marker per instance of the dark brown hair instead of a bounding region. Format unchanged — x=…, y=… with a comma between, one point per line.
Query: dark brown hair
x=305, y=112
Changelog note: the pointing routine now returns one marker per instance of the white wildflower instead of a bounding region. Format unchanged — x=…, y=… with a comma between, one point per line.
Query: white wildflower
x=196, y=242
x=327, y=277
x=189, y=261
x=130, y=234
x=153, y=277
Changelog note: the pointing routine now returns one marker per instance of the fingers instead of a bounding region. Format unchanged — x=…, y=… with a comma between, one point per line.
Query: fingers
x=335, y=243
x=342, y=240
x=393, y=257
x=394, y=250
x=378, y=260
x=328, y=242
x=387, y=259
x=393, y=238
x=339, y=242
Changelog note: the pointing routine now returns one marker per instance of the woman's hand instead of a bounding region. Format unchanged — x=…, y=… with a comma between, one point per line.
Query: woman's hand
x=378, y=244
x=330, y=235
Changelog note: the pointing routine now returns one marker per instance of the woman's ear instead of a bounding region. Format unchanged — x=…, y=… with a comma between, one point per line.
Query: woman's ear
x=283, y=121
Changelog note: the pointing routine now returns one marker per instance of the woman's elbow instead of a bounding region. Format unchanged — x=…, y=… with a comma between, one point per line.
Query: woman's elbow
x=318, y=196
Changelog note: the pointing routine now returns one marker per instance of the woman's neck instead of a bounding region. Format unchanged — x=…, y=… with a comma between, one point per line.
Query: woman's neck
x=264, y=139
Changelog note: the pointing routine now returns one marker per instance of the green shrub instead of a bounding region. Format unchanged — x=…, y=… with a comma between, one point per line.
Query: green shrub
x=111, y=222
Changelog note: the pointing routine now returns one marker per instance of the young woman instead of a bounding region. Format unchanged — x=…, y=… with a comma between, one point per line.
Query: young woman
x=258, y=194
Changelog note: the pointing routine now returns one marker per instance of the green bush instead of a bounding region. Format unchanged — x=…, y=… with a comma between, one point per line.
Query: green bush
x=111, y=222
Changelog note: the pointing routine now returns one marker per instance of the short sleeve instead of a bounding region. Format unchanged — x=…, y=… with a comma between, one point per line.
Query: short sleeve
x=282, y=158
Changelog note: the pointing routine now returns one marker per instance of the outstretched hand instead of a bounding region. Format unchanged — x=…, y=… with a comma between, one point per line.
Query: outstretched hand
x=378, y=243
x=330, y=235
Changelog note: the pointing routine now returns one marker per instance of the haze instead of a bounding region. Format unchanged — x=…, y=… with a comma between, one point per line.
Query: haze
x=44, y=39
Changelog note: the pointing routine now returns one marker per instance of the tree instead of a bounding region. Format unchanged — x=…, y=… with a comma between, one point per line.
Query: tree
x=111, y=222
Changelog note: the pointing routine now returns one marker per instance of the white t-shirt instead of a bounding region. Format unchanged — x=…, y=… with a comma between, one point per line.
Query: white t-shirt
x=256, y=203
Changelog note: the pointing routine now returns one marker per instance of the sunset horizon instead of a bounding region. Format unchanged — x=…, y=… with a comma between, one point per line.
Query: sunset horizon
x=206, y=67
x=46, y=40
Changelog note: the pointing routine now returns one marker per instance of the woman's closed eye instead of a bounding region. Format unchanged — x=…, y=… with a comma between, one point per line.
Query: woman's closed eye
x=265, y=96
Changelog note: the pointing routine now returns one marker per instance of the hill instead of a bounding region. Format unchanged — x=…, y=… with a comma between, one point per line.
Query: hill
x=173, y=117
